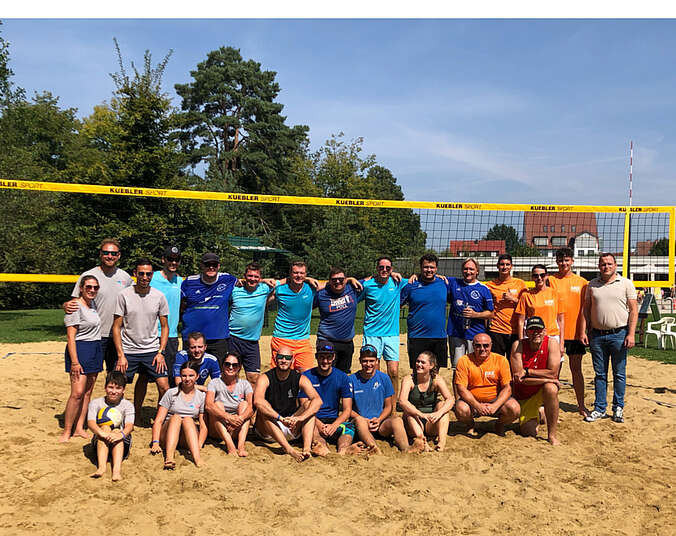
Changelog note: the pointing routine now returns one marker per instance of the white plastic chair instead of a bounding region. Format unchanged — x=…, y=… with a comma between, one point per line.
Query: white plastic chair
x=670, y=333
x=661, y=331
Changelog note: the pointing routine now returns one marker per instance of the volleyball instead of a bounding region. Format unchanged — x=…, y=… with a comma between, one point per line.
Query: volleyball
x=109, y=417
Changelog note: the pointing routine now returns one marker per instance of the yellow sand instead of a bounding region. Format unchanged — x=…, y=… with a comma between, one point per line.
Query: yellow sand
x=605, y=478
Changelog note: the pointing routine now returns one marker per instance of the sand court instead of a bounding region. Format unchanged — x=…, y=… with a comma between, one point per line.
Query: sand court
x=606, y=478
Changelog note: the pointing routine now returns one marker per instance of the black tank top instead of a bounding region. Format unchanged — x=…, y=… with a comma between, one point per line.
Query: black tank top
x=283, y=395
x=424, y=402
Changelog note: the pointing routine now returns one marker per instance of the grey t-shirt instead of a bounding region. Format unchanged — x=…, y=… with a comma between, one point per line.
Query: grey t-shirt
x=106, y=299
x=87, y=321
x=230, y=400
x=124, y=406
x=140, y=313
x=174, y=402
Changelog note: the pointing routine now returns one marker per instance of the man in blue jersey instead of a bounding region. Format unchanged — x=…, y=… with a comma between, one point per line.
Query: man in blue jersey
x=471, y=306
x=373, y=403
x=292, y=324
x=381, y=316
x=247, y=311
x=205, y=300
x=332, y=421
x=196, y=351
x=337, y=303
x=426, y=321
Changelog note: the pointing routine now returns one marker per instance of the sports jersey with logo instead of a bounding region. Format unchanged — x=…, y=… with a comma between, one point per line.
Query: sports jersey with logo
x=207, y=305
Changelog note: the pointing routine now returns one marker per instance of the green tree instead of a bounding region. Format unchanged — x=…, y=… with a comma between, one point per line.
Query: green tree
x=660, y=247
x=8, y=93
x=506, y=233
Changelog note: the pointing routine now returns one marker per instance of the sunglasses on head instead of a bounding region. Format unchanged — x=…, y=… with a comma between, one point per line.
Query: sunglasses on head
x=109, y=253
x=284, y=356
x=369, y=348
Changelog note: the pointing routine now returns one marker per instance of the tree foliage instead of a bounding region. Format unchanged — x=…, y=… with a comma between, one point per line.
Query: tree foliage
x=514, y=245
x=660, y=247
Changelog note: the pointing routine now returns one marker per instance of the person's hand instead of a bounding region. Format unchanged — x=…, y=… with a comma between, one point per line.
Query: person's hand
x=516, y=377
x=155, y=448
x=490, y=409
x=104, y=435
x=269, y=282
x=355, y=284
x=433, y=417
x=291, y=423
x=629, y=341
x=122, y=364
x=374, y=424
x=159, y=363
x=71, y=306
x=468, y=312
x=413, y=278
x=396, y=276
x=584, y=339
x=329, y=429
x=312, y=282
x=507, y=296
x=236, y=421
x=75, y=370
x=114, y=437
x=239, y=283
x=442, y=277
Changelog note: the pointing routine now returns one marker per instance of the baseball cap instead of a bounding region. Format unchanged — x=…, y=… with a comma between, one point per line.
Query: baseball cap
x=171, y=251
x=535, y=322
x=324, y=347
x=210, y=257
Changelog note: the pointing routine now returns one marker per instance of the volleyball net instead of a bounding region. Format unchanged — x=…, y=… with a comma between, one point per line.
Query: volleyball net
x=60, y=224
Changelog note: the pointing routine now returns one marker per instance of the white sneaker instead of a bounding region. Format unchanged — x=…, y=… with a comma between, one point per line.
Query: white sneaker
x=595, y=416
x=618, y=415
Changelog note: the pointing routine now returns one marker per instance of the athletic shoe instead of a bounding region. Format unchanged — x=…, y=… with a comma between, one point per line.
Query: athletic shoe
x=595, y=416
x=618, y=415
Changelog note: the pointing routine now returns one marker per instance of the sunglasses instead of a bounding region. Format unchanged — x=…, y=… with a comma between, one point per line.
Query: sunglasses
x=173, y=259
x=534, y=330
x=91, y=287
x=337, y=279
x=231, y=365
x=284, y=356
x=144, y=274
x=110, y=253
x=539, y=276
x=369, y=348
x=487, y=345
x=211, y=265
x=384, y=268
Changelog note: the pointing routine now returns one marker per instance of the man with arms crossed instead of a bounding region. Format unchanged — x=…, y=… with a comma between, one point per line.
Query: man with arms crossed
x=426, y=299
x=332, y=421
x=506, y=291
x=112, y=281
x=482, y=379
x=571, y=288
x=205, y=300
x=373, y=404
x=138, y=310
x=611, y=312
x=535, y=364
x=381, y=316
x=247, y=312
x=280, y=416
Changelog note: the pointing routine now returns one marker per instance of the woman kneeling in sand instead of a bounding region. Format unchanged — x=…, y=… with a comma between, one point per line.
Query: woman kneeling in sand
x=175, y=420
x=229, y=406
x=424, y=413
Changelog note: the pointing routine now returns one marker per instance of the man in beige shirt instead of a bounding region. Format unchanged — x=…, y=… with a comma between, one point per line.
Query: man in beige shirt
x=610, y=315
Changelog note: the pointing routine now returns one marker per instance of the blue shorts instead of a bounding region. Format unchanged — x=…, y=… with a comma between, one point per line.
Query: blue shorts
x=388, y=347
x=249, y=351
x=347, y=427
x=89, y=355
x=142, y=363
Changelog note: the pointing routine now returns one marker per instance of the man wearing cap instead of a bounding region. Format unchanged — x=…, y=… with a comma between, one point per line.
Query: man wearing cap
x=373, y=404
x=332, y=422
x=610, y=315
x=280, y=415
x=482, y=379
x=112, y=281
x=205, y=301
x=535, y=363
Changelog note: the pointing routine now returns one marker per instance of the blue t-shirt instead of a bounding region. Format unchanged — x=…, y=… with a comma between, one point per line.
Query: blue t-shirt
x=460, y=295
x=172, y=291
x=331, y=389
x=337, y=313
x=369, y=395
x=294, y=312
x=207, y=305
x=208, y=369
x=381, y=314
x=426, y=309
x=247, y=311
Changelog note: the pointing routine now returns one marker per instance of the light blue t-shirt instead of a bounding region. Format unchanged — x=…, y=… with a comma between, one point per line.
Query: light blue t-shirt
x=247, y=311
x=369, y=395
x=294, y=312
x=381, y=314
x=172, y=291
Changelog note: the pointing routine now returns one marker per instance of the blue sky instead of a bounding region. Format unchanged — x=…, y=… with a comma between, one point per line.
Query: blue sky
x=459, y=110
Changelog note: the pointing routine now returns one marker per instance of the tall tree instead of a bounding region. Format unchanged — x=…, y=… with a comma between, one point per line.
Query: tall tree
x=8, y=93
x=660, y=247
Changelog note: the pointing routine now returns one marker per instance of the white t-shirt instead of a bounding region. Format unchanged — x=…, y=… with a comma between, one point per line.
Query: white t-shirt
x=106, y=299
x=87, y=321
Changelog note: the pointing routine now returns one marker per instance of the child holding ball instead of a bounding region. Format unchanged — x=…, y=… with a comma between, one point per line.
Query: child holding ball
x=111, y=439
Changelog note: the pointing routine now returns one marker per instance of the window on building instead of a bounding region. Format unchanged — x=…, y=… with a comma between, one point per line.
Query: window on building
x=563, y=228
x=558, y=241
x=540, y=241
x=552, y=228
x=572, y=228
x=544, y=228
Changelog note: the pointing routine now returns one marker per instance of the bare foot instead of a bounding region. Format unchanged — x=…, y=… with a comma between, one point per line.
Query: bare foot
x=373, y=449
x=199, y=463
x=170, y=465
x=242, y=453
x=233, y=453
x=319, y=448
x=553, y=441
x=440, y=448
x=472, y=432
x=82, y=433
x=64, y=438
x=500, y=429
x=427, y=447
x=417, y=446
x=117, y=476
x=98, y=473
x=298, y=455
x=356, y=448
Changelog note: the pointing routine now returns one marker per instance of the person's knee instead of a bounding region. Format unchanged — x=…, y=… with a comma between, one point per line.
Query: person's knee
x=462, y=410
x=529, y=428
x=550, y=390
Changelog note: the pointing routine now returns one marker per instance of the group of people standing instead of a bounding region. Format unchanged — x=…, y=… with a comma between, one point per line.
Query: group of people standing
x=132, y=327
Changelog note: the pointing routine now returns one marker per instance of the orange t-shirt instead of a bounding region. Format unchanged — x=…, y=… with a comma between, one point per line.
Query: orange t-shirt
x=571, y=289
x=484, y=380
x=503, y=321
x=546, y=304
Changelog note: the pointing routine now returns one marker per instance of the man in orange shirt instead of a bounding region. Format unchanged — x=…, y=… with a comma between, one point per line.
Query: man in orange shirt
x=482, y=380
x=542, y=301
x=571, y=288
x=506, y=291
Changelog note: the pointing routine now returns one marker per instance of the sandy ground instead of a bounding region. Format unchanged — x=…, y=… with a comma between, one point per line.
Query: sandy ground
x=605, y=478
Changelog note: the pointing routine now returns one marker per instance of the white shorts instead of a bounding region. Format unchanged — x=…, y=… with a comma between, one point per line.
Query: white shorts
x=288, y=434
x=457, y=348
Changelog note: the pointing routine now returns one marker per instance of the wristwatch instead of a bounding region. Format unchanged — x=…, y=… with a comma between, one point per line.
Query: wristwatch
x=527, y=373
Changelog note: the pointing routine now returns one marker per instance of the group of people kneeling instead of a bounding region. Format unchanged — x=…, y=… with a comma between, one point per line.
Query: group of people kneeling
x=324, y=405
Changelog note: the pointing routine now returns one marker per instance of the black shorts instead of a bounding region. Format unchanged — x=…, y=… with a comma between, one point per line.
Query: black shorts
x=249, y=351
x=170, y=358
x=344, y=353
x=574, y=347
x=216, y=347
x=502, y=343
x=109, y=353
x=438, y=347
x=126, y=442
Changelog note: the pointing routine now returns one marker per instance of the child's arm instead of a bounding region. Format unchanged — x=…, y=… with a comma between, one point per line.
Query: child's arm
x=102, y=433
x=157, y=428
x=203, y=430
